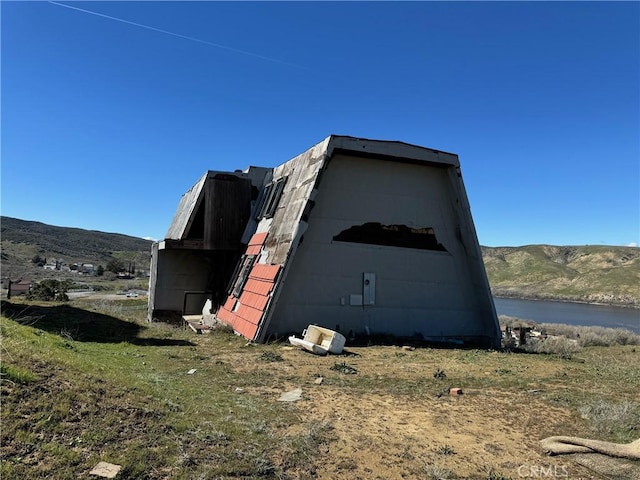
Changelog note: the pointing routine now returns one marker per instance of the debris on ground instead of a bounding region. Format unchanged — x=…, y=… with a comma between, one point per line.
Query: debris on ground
x=192, y=371
x=318, y=381
x=320, y=340
x=291, y=396
x=271, y=357
x=196, y=324
x=559, y=445
x=344, y=368
x=444, y=391
x=439, y=374
x=455, y=391
x=106, y=470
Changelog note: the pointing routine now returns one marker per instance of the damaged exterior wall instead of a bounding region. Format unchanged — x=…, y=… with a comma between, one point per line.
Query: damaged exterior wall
x=418, y=293
x=273, y=242
x=305, y=256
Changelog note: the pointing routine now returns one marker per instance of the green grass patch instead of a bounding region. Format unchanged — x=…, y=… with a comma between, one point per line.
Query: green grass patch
x=14, y=374
x=120, y=392
x=90, y=382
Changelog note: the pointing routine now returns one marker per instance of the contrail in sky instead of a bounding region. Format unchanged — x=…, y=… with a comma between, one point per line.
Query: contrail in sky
x=185, y=37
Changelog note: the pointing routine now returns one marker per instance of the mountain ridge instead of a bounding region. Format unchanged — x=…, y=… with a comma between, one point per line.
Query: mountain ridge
x=585, y=273
x=22, y=240
x=582, y=273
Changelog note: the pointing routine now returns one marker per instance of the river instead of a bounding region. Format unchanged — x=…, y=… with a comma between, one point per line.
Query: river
x=542, y=311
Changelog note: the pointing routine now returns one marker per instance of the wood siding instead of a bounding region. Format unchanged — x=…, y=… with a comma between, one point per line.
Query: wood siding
x=227, y=209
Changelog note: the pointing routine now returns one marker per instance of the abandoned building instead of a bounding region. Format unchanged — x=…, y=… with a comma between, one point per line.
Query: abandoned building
x=365, y=237
x=20, y=287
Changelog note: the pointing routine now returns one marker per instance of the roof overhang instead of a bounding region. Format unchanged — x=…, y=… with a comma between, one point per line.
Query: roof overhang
x=390, y=150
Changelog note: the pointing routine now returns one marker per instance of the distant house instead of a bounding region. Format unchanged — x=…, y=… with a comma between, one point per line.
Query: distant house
x=21, y=287
x=366, y=237
x=53, y=264
x=87, y=269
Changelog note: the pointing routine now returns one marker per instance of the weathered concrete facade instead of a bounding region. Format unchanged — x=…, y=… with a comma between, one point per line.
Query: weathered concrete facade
x=366, y=237
x=194, y=261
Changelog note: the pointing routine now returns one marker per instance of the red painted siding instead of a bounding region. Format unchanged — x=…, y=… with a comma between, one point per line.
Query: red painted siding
x=258, y=287
x=253, y=301
x=265, y=272
x=256, y=242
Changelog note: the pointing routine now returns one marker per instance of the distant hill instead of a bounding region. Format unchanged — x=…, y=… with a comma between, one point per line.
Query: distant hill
x=22, y=240
x=593, y=274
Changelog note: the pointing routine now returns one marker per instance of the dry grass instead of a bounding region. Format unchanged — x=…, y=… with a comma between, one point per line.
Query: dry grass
x=565, y=340
x=592, y=336
x=83, y=383
x=606, y=417
x=562, y=346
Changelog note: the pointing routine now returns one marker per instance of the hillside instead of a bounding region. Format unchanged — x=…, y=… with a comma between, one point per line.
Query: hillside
x=594, y=274
x=22, y=240
x=600, y=274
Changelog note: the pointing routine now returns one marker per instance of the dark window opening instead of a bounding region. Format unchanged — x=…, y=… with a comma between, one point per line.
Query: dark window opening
x=223, y=270
x=278, y=188
x=270, y=199
x=391, y=236
x=242, y=275
x=263, y=200
x=232, y=279
x=196, y=231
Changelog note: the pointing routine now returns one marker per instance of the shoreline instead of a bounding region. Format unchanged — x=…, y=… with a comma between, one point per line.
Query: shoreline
x=632, y=306
x=569, y=313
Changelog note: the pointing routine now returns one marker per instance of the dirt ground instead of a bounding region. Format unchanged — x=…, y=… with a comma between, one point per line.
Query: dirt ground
x=474, y=434
x=483, y=433
x=392, y=418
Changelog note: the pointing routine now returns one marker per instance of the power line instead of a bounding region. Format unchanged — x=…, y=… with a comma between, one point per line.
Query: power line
x=185, y=37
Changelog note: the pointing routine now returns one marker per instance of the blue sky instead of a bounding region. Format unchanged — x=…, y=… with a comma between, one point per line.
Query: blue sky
x=109, y=117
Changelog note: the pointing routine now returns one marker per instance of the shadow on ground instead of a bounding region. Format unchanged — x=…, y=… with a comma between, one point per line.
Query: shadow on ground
x=82, y=325
x=462, y=343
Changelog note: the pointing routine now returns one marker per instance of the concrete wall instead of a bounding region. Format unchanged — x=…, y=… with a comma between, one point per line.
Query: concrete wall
x=173, y=272
x=417, y=292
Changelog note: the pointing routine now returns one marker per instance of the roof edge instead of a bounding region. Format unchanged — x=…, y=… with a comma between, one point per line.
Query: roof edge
x=390, y=149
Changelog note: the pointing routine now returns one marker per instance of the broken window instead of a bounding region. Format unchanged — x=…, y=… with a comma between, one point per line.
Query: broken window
x=263, y=200
x=392, y=236
x=270, y=198
x=234, y=276
x=241, y=275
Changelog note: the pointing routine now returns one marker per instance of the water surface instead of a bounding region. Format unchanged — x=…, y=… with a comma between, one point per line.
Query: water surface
x=543, y=311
